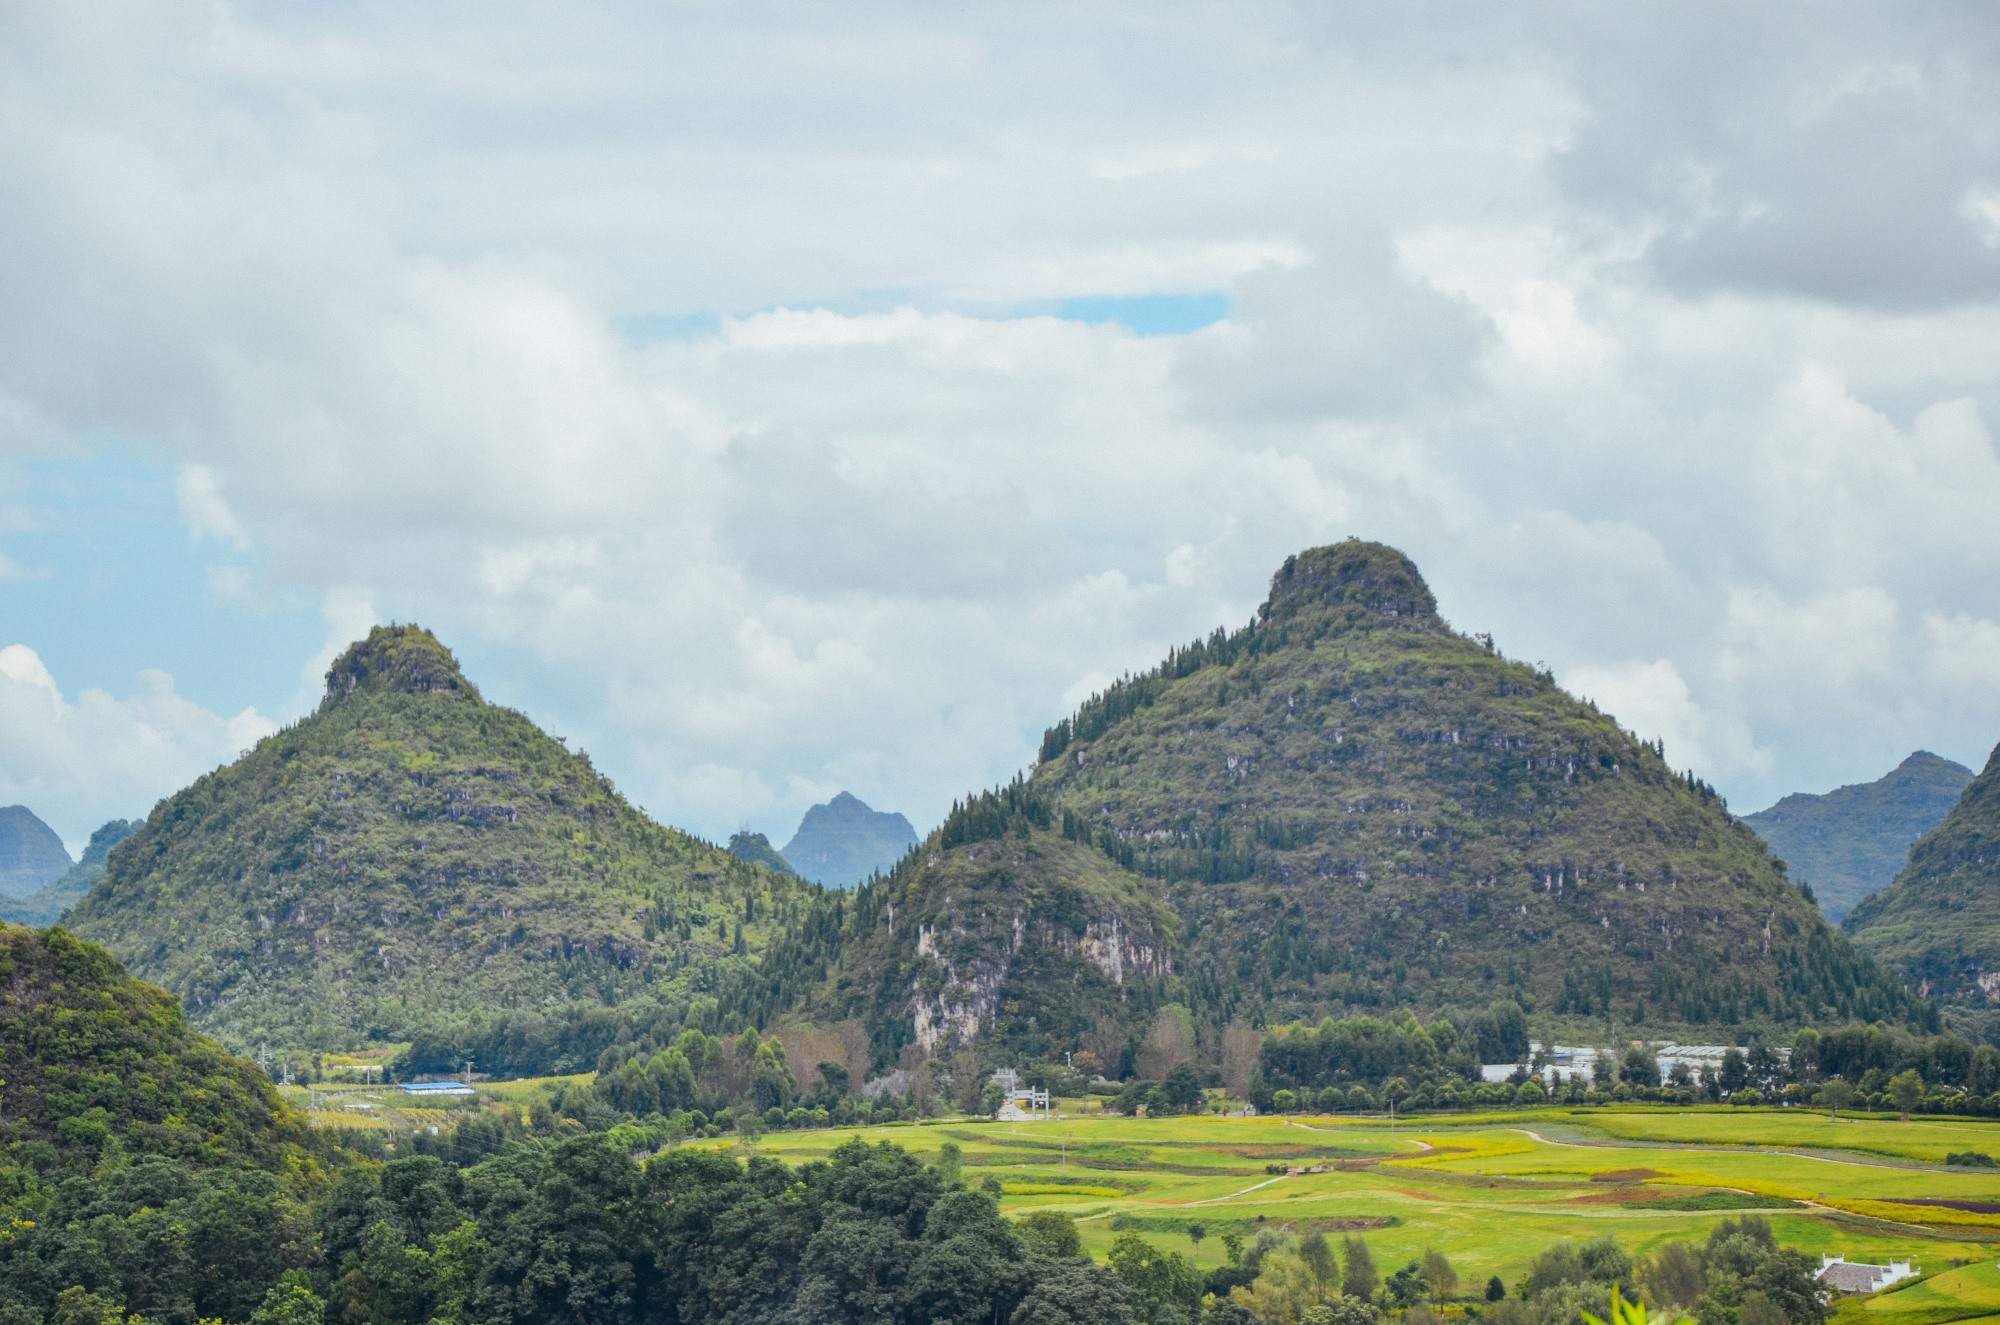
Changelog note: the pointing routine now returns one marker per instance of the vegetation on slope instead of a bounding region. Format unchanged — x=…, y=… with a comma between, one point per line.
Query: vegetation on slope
x=1939, y=922
x=138, y=1162
x=1350, y=806
x=413, y=861
x=48, y=905
x=757, y=849
x=1345, y=807
x=1851, y=842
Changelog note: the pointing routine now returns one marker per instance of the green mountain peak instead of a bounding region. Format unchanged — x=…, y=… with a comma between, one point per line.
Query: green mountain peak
x=1344, y=808
x=1349, y=586
x=396, y=658
x=413, y=863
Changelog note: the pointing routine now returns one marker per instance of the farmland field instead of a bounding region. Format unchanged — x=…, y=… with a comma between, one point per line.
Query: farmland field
x=1489, y=1190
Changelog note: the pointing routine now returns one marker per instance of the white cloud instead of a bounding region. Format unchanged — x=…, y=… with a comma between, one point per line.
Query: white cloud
x=1653, y=701
x=78, y=763
x=203, y=508
x=1545, y=303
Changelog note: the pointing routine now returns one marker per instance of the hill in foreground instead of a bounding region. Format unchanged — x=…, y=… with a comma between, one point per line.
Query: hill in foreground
x=411, y=860
x=31, y=855
x=1346, y=806
x=1938, y=924
x=140, y=1165
x=1851, y=842
x=46, y=906
x=843, y=841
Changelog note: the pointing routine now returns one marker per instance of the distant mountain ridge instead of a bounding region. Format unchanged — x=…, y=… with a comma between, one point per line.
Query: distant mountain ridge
x=46, y=906
x=409, y=862
x=842, y=842
x=1343, y=807
x=32, y=856
x=1852, y=841
x=1938, y=924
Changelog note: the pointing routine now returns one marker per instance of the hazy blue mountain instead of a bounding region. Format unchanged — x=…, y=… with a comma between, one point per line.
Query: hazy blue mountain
x=1938, y=924
x=757, y=849
x=46, y=906
x=842, y=842
x=31, y=855
x=1849, y=843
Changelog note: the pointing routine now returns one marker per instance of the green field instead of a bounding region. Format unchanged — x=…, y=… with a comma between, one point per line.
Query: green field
x=1491, y=1191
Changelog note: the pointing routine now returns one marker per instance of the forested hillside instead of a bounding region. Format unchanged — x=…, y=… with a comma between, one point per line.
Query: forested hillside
x=139, y=1163
x=1346, y=806
x=1852, y=841
x=1939, y=923
x=411, y=861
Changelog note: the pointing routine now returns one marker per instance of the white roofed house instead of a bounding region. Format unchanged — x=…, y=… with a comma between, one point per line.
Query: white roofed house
x=1843, y=1275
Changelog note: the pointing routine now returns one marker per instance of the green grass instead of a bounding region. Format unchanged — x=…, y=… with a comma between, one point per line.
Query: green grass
x=1486, y=1192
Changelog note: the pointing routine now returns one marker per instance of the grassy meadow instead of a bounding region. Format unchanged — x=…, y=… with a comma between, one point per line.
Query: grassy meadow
x=1491, y=1191
x=1488, y=1190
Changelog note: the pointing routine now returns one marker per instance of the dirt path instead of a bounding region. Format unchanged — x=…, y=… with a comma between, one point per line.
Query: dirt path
x=1217, y=1200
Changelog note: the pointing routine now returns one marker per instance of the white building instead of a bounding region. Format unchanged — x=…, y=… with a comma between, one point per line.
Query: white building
x=1861, y=1277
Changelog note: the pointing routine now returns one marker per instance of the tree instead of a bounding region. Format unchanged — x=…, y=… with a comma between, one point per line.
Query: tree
x=1361, y=1278
x=950, y=1156
x=1163, y=1289
x=1495, y=1290
x=1073, y=1293
x=1835, y=1094
x=1171, y=1040
x=1053, y=1234
x=1640, y=1068
x=1674, y=1276
x=1241, y=1043
x=1232, y=1247
x=1283, y=1289
x=1196, y=1231
x=1340, y=1311
x=1907, y=1089
x=1735, y=1071
x=1440, y=1275
x=290, y=1304
x=1319, y=1259
x=1182, y=1087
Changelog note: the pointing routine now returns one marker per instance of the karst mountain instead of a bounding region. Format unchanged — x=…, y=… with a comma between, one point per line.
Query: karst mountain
x=1851, y=842
x=411, y=860
x=1938, y=924
x=1345, y=806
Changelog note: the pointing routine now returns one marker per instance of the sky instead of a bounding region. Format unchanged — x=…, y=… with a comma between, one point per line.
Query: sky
x=780, y=399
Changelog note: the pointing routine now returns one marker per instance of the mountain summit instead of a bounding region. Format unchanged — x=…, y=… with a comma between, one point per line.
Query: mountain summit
x=1939, y=922
x=1852, y=841
x=410, y=860
x=842, y=842
x=31, y=855
x=1344, y=806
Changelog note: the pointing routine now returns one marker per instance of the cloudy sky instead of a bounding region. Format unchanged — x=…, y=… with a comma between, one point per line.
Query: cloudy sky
x=775, y=399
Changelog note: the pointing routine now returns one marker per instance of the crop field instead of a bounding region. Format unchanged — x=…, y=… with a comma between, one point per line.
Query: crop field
x=1492, y=1191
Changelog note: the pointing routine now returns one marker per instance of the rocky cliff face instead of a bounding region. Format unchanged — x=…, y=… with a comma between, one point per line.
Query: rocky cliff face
x=999, y=927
